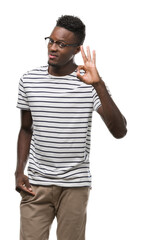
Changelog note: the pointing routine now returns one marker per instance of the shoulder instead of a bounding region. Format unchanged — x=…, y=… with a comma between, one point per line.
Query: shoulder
x=39, y=71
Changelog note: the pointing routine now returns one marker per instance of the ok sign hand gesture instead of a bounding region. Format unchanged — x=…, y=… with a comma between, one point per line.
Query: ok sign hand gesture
x=91, y=75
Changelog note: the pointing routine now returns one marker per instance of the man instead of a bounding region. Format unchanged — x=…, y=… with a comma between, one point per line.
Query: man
x=56, y=103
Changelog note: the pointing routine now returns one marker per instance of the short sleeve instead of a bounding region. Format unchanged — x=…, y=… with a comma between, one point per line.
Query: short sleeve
x=22, y=102
x=96, y=99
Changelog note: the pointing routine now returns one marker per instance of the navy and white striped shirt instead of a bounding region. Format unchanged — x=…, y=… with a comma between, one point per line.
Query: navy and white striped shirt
x=61, y=109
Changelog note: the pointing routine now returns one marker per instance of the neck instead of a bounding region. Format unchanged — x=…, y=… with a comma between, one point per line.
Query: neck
x=62, y=70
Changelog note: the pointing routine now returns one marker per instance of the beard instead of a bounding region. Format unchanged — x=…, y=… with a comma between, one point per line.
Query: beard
x=53, y=64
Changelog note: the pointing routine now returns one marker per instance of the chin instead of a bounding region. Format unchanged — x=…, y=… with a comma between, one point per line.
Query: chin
x=52, y=64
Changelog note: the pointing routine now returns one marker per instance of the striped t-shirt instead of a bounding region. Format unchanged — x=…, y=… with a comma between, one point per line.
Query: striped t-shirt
x=61, y=109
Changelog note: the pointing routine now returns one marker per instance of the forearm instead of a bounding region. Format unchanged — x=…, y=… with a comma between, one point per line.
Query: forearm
x=112, y=116
x=23, y=147
x=109, y=111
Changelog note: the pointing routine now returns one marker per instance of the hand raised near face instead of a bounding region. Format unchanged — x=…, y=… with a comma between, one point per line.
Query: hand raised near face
x=91, y=75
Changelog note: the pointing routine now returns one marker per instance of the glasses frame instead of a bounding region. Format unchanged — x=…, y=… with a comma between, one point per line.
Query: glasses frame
x=60, y=41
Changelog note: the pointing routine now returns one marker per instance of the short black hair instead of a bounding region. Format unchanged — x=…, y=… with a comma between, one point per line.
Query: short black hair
x=73, y=24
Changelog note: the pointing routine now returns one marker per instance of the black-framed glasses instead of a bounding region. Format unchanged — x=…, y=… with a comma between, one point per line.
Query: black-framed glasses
x=60, y=44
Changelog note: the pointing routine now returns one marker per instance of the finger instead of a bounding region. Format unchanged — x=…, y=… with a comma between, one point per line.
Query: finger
x=83, y=54
x=88, y=53
x=94, y=57
x=29, y=192
x=23, y=188
x=79, y=75
x=27, y=185
x=80, y=67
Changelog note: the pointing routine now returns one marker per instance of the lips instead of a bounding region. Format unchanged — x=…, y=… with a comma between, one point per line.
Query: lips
x=51, y=56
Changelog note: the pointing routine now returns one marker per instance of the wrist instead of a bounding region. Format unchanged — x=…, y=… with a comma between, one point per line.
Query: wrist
x=99, y=84
x=17, y=172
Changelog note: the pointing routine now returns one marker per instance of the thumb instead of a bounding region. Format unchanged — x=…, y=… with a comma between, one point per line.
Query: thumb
x=27, y=184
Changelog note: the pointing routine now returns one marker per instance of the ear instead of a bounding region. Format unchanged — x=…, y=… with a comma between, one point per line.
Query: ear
x=77, y=50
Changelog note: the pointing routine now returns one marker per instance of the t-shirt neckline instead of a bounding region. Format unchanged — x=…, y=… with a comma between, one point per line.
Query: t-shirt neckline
x=54, y=76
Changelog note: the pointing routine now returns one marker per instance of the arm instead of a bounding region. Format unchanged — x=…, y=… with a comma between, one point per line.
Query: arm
x=110, y=113
x=23, y=146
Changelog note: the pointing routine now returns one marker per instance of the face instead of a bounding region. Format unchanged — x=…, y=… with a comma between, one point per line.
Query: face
x=61, y=56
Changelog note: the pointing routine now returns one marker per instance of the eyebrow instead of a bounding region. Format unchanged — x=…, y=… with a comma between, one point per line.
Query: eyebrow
x=58, y=40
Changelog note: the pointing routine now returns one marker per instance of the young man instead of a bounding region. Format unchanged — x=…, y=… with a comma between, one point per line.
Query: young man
x=56, y=103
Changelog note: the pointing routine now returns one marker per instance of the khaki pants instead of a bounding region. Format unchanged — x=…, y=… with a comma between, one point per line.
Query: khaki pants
x=68, y=205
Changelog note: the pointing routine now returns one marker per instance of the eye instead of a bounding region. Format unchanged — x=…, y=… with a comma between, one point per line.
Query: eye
x=51, y=41
x=61, y=44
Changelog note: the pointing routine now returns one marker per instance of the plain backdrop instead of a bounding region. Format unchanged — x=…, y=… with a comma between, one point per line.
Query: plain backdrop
x=114, y=31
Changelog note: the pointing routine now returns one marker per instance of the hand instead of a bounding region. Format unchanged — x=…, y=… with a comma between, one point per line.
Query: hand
x=22, y=184
x=91, y=75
